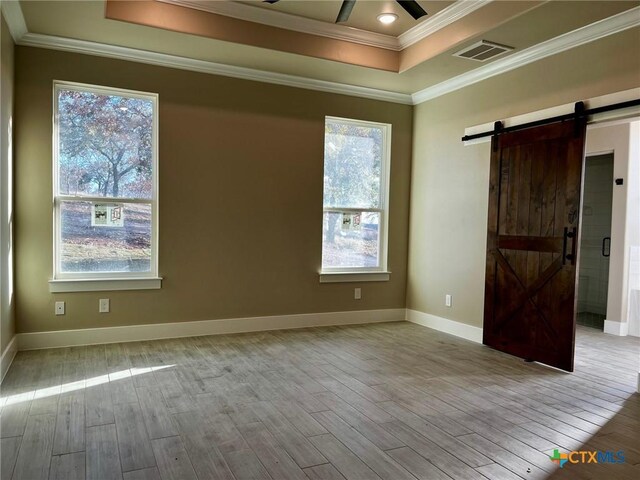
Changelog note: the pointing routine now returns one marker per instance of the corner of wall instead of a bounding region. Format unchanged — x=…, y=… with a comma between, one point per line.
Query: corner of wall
x=8, y=355
x=8, y=341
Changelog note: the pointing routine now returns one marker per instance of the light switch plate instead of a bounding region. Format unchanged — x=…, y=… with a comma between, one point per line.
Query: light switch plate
x=103, y=305
x=59, y=308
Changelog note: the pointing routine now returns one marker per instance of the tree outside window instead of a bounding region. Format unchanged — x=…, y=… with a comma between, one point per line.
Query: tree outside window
x=105, y=162
x=355, y=188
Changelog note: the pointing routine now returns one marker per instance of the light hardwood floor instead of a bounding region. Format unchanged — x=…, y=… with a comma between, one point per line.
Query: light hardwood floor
x=386, y=401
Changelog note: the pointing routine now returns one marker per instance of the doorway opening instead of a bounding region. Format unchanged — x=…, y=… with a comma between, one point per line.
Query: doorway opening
x=595, y=244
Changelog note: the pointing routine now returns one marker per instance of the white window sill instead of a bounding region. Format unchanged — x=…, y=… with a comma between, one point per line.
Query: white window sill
x=343, y=277
x=104, y=284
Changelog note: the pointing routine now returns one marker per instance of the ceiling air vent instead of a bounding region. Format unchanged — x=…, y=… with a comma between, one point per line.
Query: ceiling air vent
x=482, y=51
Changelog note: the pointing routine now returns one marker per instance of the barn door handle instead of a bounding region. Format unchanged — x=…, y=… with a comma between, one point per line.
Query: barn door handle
x=569, y=235
x=606, y=246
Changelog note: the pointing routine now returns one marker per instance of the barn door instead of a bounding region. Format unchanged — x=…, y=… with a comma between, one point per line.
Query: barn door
x=533, y=237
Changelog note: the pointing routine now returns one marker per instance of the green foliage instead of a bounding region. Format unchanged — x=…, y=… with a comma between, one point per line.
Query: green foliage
x=352, y=169
x=352, y=165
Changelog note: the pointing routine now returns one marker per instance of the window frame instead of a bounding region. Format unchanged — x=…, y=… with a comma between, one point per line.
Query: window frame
x=97, y=281
x=357, y=274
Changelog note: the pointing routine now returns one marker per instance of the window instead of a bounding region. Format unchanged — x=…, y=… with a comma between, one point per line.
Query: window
x=356, y=188
x=105, y=189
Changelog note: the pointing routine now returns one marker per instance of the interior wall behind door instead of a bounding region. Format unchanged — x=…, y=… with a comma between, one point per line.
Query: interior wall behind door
x=623, y=139
x=595, y=245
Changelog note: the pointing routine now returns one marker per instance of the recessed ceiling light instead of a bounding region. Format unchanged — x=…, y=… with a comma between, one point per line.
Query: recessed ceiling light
x=387, y=18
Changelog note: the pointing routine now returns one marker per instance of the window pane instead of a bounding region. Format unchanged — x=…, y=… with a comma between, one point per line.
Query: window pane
x=106, y=246
x=105, y=145
x=350, y=239
x=352, y=164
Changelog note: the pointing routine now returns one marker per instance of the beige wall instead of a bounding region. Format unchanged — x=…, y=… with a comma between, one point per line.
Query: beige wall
x=633, y=231
x=241, y=167
x=7, y=320
x=449, y=188
x=621, y=140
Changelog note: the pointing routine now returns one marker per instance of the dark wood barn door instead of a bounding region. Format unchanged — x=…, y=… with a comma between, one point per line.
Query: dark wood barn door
x=533, y=236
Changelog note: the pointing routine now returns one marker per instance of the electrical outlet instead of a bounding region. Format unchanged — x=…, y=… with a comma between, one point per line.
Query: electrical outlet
x=59, y=308
x=357, y=293
x=447, y=300
x=103, y=305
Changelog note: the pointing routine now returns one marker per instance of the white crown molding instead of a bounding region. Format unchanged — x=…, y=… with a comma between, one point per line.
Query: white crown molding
x=202, y=66
x=156, y=331
x=462, y=330
x=443, y=18
x=7, y=357
x=15, y=19
x=575, y=38
x=589, y=33
x=287, y=21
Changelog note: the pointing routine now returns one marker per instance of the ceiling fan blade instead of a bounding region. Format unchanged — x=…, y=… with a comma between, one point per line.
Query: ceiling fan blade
x=345, y=10
x=413, y=8
x=270, y=1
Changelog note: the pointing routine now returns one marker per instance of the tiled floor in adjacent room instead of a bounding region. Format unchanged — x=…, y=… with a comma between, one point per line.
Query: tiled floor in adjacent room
x=589, y=319
x=392, y=401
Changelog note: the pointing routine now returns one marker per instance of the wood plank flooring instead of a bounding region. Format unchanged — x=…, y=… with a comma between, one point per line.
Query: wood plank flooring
x=385, y=401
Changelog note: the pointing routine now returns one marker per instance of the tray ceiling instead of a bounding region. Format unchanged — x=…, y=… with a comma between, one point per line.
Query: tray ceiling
x=417, y=63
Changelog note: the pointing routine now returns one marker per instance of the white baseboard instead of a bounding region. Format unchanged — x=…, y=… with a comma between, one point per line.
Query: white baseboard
x=132, y=333
x=616, y=328
x=7, y=356
x=452, y=327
